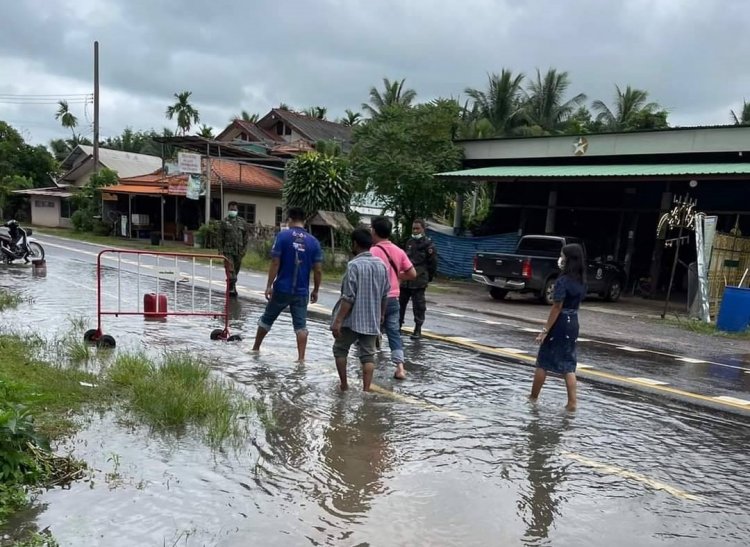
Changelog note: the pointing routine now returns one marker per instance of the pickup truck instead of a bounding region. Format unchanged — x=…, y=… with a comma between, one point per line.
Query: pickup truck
x=533, y=269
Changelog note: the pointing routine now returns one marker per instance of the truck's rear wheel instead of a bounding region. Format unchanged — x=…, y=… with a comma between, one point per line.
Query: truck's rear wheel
x=497, y=293
x=548, y=293
x=614, y=291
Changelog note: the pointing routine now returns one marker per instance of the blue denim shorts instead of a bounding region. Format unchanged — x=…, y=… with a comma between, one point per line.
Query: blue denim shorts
x=278, y=303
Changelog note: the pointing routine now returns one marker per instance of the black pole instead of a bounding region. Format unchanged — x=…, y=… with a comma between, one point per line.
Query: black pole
x=674, y=268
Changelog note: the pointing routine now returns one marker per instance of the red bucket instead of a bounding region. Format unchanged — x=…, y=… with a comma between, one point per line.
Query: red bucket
x=155, y=306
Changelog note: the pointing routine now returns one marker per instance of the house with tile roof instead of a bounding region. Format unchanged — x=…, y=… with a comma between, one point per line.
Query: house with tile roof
x=256, y=189
x=51, y=206
x=285, y=133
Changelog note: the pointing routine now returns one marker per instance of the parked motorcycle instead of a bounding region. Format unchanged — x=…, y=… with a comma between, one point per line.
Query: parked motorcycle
x=16, y=244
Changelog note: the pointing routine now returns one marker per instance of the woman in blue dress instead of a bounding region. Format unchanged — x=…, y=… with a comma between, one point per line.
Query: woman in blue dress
x=558, y=338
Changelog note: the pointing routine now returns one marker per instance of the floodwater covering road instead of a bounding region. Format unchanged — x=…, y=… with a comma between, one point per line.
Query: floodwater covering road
x=455, y=455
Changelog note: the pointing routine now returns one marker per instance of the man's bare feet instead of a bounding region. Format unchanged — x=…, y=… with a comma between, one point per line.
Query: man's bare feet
x=570, y=407
x=400, y=373
x=344, y=386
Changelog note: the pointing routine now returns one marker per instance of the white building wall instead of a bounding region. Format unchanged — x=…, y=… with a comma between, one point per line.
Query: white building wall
x=265, y=206
x=45, y=211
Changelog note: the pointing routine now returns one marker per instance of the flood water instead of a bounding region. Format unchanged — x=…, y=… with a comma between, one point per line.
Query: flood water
x=455, y=455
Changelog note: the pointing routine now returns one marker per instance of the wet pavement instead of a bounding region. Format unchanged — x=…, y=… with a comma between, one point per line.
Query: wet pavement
x=455, y=455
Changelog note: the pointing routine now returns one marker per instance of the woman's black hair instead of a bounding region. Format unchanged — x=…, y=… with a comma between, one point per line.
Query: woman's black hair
x=575, y=262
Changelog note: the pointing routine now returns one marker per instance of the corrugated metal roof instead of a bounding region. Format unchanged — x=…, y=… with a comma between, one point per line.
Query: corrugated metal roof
x=127, y=164
x=603, y=171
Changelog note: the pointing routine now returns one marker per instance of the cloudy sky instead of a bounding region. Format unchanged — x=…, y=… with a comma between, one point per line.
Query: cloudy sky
x=691, y=55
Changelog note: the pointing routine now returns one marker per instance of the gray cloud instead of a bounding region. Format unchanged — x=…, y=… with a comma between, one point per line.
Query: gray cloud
x=233, y=54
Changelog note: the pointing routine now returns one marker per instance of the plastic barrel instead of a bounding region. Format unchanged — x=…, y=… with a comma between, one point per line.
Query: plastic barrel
x=155, y=306
x=734, y=314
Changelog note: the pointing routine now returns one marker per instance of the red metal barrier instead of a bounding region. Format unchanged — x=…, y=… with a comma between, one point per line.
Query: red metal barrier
x=155, y=280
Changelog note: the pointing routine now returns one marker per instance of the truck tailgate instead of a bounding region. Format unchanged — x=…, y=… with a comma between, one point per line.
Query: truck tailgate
x=499, y=265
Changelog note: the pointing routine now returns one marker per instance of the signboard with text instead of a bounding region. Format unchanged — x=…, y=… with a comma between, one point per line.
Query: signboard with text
x=189, y=163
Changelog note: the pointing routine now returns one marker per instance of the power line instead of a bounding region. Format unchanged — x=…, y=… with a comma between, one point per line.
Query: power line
x=48, y=96
x=12, y=101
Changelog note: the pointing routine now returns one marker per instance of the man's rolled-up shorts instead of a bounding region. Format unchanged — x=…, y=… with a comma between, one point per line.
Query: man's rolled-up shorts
x=366, y=344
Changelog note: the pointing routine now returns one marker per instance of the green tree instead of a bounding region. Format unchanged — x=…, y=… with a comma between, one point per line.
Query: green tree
x=546, y=107
x=9, y=184
x=631, y=111
x=59, y=148
x=88, y=200
x=352, y=118
x=67, y=119
x=318, y=182
x=245, y=116
x=393, y=94
x=186, y=114
x=501, y=104
x=318, y=112
x=581, y=121
x=744, y=116
x=397, y=154
x=206, y=132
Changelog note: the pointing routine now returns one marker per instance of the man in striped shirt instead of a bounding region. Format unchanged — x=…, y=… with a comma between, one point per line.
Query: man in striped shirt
x=360, y=312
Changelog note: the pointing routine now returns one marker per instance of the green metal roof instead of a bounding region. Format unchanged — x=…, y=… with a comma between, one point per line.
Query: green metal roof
x=581, y=171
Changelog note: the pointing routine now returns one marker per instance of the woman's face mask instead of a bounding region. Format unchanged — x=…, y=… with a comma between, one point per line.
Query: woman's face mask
x=561, y=262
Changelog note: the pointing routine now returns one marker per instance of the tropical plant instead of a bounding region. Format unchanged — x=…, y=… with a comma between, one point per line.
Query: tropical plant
x=186, y=114
x=328, y=148
x=206, y=132
x=352, y=118
x=318, y=182
x=393, y=94
x=631, y=111
x=284, y=106
x=318, y=112
x=545, y=106
x=396, y=155
x=8, y=185
x=744, y=116
x=245, y=116
x=17, y=437
x=501, y=104
x=66, y=118
x=87, y=200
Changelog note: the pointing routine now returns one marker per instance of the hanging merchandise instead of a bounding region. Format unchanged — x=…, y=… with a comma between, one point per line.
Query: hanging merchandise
x=194, y=187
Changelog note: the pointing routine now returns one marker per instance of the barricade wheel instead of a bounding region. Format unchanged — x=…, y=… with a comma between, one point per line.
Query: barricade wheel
x=90, y=336
x=234, y=338
x=106, y=342
x=217, y=334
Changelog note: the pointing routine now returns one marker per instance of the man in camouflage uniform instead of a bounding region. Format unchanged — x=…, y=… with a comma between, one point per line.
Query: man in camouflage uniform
x=421, y=252
x=232, y=242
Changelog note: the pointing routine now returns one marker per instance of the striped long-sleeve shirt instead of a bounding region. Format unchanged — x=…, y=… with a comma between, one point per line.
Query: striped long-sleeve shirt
x=365, y=286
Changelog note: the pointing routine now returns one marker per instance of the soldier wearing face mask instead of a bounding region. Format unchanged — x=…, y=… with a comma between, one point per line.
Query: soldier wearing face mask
x=421, y=252
x=232, y=242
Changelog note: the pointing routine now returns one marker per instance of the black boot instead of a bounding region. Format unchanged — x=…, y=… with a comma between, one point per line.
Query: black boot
x=417, y=334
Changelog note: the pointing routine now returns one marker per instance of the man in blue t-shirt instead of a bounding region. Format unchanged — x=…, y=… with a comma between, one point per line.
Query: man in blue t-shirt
x=294, y=254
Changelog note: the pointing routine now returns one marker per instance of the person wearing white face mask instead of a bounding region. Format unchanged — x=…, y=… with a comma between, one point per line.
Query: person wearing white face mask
x=421, y=252
x=232, y=242
x=557, y=353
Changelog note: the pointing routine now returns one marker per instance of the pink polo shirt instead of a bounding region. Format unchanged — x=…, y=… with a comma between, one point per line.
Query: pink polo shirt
x=385, y=250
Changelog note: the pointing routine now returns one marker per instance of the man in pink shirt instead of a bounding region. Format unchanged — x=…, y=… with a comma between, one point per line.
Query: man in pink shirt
x=399, y=269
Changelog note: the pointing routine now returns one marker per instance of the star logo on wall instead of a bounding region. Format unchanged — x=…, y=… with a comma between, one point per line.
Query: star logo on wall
x=581, y=146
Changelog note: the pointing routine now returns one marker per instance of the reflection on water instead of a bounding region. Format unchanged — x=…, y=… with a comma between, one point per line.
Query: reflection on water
x=368, y=469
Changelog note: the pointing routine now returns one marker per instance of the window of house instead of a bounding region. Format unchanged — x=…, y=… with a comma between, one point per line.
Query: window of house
x=279, y=216
x=67, y=208
x=279, y=128
x=41, y=203
x=247, y=211
x=287, y=130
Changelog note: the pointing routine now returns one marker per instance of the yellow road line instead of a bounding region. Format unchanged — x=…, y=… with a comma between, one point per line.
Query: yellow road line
x=632, y=475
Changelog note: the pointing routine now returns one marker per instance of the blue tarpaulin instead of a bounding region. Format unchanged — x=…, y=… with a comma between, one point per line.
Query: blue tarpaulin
x=456, y=254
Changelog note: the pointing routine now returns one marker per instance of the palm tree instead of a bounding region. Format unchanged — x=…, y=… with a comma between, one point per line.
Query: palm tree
x=546, y=107
x=744, y=117
x=186, y=114
x=318, y=112
x=206, y=132
x=393, y=94
x=245, y=116
x=631, y=106
x=66, y=117
x=352, y=118
x=284, y=106
x=501, y=104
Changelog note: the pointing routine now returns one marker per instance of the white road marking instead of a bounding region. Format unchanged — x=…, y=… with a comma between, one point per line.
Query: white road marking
x=525, y=329
x=459, y=339
x=584, y=340
x=733, y=400
x=691, y=360
x=633, y=350
x=513, y=351
x=583, y=367
x=488, y=322
x=648, y=381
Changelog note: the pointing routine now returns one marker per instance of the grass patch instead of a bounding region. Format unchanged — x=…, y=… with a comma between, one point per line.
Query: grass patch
x=8, y=299
x=699, y=327
x=180, y=392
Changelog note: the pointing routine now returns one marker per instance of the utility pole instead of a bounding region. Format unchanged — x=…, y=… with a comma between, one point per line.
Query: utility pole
x=96, y=107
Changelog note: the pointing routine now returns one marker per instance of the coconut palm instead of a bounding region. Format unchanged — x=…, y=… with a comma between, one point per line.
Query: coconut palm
x=631, y=110
x=206, y=132
x=744, y=117
x=245, y=116
x=500, y=104
x=186, y=114
x=318, y=112
x=352, y=118
x=546, y=106
x=66, y=117
x=393, y=94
